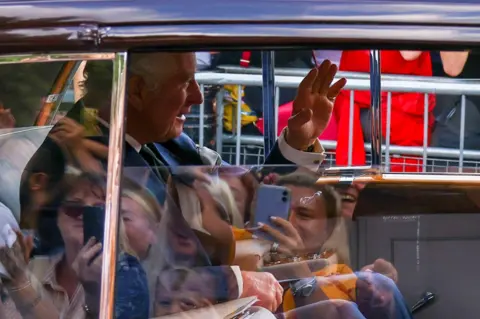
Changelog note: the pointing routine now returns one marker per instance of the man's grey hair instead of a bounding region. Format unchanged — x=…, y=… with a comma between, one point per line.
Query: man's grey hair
x=154, y=67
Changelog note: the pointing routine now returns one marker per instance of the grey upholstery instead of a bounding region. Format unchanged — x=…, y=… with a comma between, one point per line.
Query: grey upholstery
x=432, y=252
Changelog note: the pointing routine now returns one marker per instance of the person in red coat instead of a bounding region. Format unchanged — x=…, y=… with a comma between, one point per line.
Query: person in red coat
x=407, y=109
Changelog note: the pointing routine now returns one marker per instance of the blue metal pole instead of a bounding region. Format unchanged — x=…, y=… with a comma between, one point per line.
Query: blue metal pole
x=268, y=93
x=376, y=115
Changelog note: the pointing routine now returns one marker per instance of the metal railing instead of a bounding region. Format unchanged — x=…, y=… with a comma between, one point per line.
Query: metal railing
x=291, y=78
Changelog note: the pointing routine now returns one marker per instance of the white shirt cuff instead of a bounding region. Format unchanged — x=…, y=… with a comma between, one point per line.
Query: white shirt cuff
x=310, y=160
x=238, y=274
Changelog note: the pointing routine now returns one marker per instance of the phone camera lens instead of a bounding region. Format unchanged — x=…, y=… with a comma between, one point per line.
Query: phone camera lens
x=285, y=193
x=284, y=199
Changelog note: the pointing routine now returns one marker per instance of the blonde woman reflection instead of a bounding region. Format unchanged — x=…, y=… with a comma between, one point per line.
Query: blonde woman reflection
x=142, y=215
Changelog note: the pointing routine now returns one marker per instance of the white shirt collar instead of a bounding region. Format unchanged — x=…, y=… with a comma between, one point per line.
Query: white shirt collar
x=130, y=140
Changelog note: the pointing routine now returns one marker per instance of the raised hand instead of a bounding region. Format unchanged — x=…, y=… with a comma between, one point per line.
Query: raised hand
x=313, y=105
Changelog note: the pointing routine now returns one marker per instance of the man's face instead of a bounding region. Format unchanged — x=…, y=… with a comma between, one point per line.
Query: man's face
x=161, y=110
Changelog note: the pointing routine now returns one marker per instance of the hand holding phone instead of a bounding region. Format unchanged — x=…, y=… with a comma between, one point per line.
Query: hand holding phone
x=271, y=201
x=89, y=270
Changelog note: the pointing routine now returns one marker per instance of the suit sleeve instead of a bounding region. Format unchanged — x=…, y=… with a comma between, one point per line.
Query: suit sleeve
x=284, y=154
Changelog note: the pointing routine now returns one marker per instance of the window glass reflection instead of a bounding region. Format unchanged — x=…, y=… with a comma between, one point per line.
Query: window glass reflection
x=53, y=198
x=276, y=237
x=214, y=245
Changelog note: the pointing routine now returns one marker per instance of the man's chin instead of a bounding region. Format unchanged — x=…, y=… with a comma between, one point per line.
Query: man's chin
x=174, y=133
x=178, y=132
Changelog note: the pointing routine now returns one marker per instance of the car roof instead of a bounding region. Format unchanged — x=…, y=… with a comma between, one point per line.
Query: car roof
x=115, y=12
x=36, y=25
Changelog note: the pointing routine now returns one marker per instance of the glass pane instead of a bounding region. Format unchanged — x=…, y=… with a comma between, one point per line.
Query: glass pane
x=278, y=241
x=203, y=230
x=52, y=193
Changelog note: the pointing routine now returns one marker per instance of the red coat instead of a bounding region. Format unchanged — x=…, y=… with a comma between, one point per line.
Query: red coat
x=406, y=126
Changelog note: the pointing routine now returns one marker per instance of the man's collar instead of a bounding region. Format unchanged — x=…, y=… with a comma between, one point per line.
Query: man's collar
x=130, y=140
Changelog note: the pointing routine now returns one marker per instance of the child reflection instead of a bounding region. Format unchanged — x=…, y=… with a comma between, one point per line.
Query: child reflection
x=180, y=290
x=142, y=216
x=178, y=286
x=210, y=210
x=162, y=247
x=183, y=246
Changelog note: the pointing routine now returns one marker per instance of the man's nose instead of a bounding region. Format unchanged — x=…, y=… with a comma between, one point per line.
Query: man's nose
x=195, y=96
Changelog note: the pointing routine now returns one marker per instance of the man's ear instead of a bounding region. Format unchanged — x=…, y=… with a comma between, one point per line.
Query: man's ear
x=38, y=181
x=134, y=93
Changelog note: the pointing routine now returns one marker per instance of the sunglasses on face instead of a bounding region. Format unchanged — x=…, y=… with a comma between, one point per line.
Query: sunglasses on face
x=75, y=210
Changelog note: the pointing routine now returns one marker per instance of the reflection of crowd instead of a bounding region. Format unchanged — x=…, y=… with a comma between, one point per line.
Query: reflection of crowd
x=183, y=244
x=313, y=241
x=407, y=108
x=462, y=65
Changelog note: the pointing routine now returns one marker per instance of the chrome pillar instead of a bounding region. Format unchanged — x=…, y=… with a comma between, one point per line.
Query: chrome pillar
x=268, y=93
x=219, y=119
x=238, y=126
x=376, y=116
x=462, y=133
x=112, y=202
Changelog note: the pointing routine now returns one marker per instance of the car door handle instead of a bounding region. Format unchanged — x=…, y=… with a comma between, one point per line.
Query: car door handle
x=427, y=299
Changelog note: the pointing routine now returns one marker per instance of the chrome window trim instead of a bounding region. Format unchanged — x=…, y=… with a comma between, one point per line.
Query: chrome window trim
x=54, y=57
x=113, y=191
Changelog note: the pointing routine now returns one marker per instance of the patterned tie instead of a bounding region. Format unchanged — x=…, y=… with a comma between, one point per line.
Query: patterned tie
x=155, y=163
